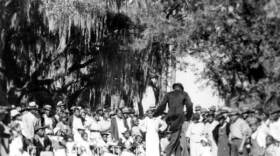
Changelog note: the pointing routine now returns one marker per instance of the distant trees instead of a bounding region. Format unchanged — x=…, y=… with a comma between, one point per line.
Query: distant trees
x=92, y=48
x=239, y=42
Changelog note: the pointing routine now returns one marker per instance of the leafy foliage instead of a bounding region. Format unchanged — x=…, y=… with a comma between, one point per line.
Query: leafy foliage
x=239, y=43
x=81, y=50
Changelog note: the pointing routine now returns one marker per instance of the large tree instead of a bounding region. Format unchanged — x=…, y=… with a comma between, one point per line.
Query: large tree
x=78, y=50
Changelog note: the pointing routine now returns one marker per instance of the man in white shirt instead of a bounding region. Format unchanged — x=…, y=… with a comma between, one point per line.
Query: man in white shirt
x=196, y=136
x=273, y=131
x=77, y=123
x=261, y=133
x=105, y=122
x=30, y=121
x=48, y=119
x=239, y=132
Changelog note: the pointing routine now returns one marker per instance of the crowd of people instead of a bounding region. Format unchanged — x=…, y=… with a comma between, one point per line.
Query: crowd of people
x=57, y=131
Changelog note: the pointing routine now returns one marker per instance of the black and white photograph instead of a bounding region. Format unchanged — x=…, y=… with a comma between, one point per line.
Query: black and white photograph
x=139, y=77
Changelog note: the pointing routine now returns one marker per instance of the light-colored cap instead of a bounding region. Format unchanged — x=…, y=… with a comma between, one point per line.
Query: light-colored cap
x=14, y=113
x=32, y=104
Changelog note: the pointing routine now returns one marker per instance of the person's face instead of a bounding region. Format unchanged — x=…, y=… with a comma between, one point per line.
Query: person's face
x=263, y=116
x=64, y=119
x=85, y=136
x=34, y=111
x=48, y=112
x=195, y=121
x=83, y=114
x=210, y=119
x=119, y=114
x=126, y=135
x=97, y=117
x=19, y=117
x=15, y=133
x=125, y=115
x=221, y=121
x=105, y=138
x=136, y=121
x=106, y=115
x=233, y=118
x=81, y=131
x=59, y=109
x=150, y=114
x=100, y=113
x=138, y=139
x=154, y=80
x=41, y=132
x=245, y=115
x=254, y=127
x=77, y=112
x=274, y=117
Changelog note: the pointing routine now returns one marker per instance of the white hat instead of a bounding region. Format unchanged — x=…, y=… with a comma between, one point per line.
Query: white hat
x=32, y=105
x=60, y=103
x=48, y=107
x=14, y=113
x=152, y=108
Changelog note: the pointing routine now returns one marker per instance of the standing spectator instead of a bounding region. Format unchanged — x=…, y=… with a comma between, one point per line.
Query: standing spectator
x=239, y=132
x=152, y=126
x=196, y=136
x=15, y=118
x=18, y=146
x=135, y=130
x=274, y=133
x=49, y=121
x=177, y=100
x=221, y=134
x=118, y=125
x=105, y=122
x=256, y=149
x=62, y=128
x=60, y=107
x=30, y=120
x=209, y=127
x=77, y=123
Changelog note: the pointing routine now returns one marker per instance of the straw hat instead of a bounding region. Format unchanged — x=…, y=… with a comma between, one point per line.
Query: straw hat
x=197, y=108
x=126, y=110
x=14, y=113
x=32, y=105
x=60, y=104
x=47, y=107
x=40, y=127
x=234, y=112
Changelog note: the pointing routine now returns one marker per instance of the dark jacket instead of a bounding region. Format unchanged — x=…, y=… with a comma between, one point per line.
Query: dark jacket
x=176, y=101
x=46, y=146
x=215, y=132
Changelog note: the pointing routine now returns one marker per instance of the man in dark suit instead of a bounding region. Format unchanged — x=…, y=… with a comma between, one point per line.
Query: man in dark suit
x=176, y=100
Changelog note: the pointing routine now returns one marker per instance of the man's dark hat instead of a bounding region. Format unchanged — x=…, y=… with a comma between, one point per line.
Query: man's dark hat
x=178, y=85
x=40, y=127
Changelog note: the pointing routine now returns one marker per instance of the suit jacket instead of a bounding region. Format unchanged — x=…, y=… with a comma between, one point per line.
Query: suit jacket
x=176, y=101
x=42, y=147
